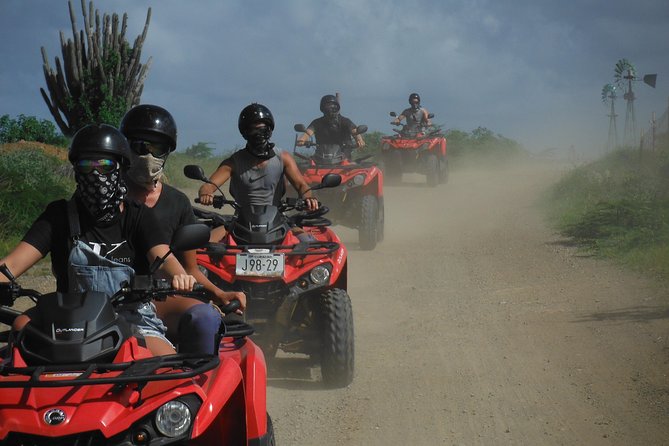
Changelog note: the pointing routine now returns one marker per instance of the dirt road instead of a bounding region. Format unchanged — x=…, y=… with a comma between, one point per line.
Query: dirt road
x=476, y=325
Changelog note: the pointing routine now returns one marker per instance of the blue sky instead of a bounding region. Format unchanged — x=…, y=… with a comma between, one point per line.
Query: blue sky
x=531, y=70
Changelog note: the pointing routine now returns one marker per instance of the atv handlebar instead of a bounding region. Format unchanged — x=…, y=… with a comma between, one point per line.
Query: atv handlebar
x=146, y=289
x=220, y=201
x=10, y=291
x=142, y=289
x=344, y=146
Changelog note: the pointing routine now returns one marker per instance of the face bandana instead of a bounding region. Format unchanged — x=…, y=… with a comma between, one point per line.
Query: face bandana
x=101, y=194
x=145, y=170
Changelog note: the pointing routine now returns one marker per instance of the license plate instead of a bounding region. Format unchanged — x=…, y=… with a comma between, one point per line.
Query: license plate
x=263, y=265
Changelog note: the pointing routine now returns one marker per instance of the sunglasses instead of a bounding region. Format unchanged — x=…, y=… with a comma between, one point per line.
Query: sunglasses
x=104, y=166
x=157, y=149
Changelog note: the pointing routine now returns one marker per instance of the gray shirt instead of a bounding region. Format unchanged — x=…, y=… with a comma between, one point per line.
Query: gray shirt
x=251, y=184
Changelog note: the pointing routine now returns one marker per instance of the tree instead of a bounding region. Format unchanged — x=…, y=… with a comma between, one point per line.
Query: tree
x=101, y=76
x=29, y=128
x=200, y=150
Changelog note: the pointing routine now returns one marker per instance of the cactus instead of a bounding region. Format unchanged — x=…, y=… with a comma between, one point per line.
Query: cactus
x=101, y=75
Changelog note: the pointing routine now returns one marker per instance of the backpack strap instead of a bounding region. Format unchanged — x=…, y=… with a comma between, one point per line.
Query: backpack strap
x=73, y=220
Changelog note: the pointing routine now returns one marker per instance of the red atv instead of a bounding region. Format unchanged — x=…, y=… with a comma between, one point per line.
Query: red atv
x=358, y=202
x=415, y=149
x=77, y=374
x=293, y=269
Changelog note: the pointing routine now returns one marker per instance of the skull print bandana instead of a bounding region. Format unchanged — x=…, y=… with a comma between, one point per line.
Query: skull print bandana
x=101, y=194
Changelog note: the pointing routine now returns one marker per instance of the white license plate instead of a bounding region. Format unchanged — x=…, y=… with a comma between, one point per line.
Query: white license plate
x=263, y=265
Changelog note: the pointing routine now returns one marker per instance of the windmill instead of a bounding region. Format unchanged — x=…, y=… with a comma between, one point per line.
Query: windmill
x=625, y=74
x=609, y=98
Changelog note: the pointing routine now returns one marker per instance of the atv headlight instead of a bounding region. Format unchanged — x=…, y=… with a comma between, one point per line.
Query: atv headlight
x=319, y=275
x=359, y=180
x=173, y=419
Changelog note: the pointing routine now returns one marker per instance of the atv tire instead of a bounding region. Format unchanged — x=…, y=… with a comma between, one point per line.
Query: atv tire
x=381, y=226
x=392, y=167
x=443, y=172
x=269, y=436
x=369, y=219
x=337, y=348
x=432, y=170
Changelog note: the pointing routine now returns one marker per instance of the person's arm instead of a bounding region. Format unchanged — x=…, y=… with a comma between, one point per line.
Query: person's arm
x=359, y=140
x=353, y=129
x=398, y=120
x=171, y=268
x=219, y=177
x=221, y=297
x=22, y=257
x=304, y=137
x=426, y=117
x=297, y=180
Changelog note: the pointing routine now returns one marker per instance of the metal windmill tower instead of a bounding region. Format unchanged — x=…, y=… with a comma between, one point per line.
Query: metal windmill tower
x=609, y=98
x=625, y=74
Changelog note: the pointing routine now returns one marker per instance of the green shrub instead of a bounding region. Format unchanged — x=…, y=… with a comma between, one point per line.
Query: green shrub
x=29, y=180
x=618, y=207
x=200, y=150
x=29, y=128
x=174, y=169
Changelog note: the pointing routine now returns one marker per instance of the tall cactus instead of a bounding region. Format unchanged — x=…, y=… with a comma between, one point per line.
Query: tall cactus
x=101, y=76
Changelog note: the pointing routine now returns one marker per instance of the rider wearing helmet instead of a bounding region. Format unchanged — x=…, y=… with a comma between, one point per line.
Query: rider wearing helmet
x=416, y=115
x=152, y=135
x=332, y=128
x=98, y=238
x=257, y=171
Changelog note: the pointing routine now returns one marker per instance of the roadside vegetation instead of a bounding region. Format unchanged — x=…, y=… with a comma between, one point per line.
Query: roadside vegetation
x=618, y=207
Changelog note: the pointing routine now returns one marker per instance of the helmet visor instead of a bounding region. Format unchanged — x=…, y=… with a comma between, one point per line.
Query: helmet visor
x=157, y=149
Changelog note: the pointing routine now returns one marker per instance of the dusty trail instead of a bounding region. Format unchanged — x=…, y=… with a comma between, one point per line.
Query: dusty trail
x=475, y=325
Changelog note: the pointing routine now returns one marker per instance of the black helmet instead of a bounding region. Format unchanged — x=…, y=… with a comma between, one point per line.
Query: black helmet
x=253, y=114
x=148, y=122
x=326, y=107
x=99, y=140
x=413, y=96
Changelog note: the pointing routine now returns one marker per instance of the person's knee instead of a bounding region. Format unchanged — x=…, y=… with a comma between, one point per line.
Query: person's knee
x=198, y=328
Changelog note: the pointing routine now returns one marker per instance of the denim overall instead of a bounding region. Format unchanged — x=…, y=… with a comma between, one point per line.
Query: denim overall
x=88, y=271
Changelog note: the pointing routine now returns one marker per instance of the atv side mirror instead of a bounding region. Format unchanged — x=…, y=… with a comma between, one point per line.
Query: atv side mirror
x=185, y=238
x=359, y=130
x=430, y=115
x=300, y=128
x=195, y=172
x=189, y=237
x=393, y=114
x=331, y=180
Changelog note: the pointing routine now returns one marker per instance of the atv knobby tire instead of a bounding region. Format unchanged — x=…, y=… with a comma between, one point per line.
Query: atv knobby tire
x=432, y=170
x=443, y=172
x=392, y=166
x=369, y=219
x=269, y=437
x=381, y=228
x=337, y=349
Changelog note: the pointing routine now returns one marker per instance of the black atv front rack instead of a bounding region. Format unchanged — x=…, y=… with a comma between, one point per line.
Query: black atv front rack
x=140, y=371
x=298, y=249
